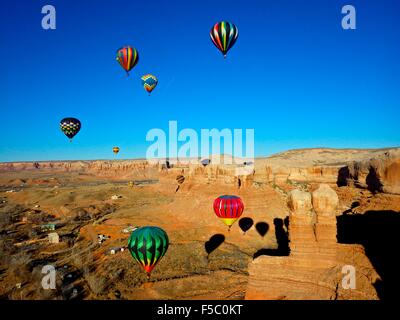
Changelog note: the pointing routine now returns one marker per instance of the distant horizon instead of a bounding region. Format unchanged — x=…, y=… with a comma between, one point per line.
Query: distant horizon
x=257, y=157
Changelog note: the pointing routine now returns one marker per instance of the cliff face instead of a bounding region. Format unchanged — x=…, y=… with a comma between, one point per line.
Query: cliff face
x=316, y=266
x=378, y=174
x=377, y=170
x=278, y=174
x=112, y=169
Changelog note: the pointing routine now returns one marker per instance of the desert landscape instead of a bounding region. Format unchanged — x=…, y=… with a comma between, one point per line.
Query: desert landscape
x=307, y=213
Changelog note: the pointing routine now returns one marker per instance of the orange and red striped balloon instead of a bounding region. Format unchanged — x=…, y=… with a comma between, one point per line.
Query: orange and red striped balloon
x=127, y=57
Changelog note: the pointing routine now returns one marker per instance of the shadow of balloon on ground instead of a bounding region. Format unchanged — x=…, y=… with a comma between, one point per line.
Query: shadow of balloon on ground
x=282, y=240
x=377, y=232
x=214, y=242
x=245, y=224
x=262, y=228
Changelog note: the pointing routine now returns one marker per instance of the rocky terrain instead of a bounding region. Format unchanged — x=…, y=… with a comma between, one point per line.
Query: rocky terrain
x=307, y=214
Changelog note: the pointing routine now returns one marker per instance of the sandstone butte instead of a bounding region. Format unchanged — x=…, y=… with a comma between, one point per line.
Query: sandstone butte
x=313, y=188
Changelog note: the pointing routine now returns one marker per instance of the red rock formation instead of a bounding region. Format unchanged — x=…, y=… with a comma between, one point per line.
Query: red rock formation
x=379, y=174
x=313, y=270
x=112, y=169
x=378, y=170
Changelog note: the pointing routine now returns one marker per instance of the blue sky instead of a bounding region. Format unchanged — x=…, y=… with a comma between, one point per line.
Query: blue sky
x=294, y=75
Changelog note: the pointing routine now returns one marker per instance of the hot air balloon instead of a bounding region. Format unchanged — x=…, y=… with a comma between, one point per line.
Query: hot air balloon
x=149, y=82
x=224, y=35
x=228, y=209
x=70, y=127
x=147, y=246
x=248, y=163
x=127, y=57
x=180, y=179
x=205, y=162
x=116, y=150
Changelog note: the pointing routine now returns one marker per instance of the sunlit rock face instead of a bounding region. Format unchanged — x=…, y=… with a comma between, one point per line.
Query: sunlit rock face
x=314, y=267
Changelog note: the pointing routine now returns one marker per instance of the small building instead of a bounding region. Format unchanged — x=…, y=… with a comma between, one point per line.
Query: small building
x=48, y=227
x=54, y=237
x=116, y=249
x=102, y=238
x=129, y=229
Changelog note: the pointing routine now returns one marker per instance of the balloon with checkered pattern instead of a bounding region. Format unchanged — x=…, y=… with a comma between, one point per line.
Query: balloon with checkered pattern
x=70, y=127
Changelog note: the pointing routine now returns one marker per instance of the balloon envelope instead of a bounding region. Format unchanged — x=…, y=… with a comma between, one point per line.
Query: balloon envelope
x=228, y=208
x=70, y=127
x=224, y=35
x=147, y=246
x=116, y=150
x=127, y=57
x=205, y=162
x=180, y=179
x=149, y=82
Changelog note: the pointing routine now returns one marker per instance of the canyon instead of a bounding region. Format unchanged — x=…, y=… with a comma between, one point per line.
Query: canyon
x=310, y=215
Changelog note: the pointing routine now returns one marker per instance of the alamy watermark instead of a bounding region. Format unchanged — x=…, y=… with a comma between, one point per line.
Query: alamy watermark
x=349, y=20
x=49, y=280
x=187, y=145
x=349, y=280
x=49, y=20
